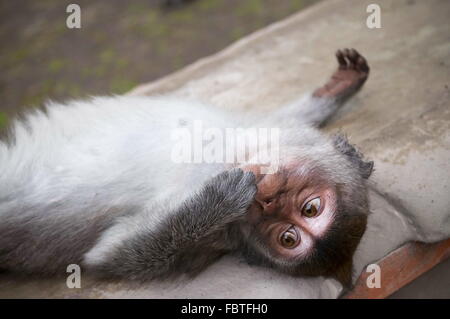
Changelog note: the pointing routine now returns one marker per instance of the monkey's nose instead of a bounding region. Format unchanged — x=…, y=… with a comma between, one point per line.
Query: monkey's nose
x=267, y=206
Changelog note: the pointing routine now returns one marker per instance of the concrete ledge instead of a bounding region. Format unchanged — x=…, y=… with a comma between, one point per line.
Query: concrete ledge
x=400, y=268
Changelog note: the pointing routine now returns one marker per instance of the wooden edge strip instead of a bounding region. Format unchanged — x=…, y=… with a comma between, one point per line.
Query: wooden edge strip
x=400, y=267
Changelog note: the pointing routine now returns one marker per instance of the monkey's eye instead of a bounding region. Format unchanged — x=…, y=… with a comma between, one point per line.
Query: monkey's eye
x=289, y=239
x=311, y=208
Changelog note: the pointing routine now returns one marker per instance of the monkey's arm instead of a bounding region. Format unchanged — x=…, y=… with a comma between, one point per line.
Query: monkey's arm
x=309, y=109
x=191, y=236
x=318, y=107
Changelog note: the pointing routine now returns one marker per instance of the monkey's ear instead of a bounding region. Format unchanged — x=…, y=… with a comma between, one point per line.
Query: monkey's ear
x=342, y=145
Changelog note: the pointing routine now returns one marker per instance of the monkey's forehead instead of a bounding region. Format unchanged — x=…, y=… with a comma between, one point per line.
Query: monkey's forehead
x=301, y=172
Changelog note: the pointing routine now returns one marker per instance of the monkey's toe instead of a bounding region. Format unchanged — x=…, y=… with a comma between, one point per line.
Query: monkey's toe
x=358, y=62
x=350, y=59
x=341, y=59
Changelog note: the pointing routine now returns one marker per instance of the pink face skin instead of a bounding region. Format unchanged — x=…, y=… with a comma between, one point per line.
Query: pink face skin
x=280, y=207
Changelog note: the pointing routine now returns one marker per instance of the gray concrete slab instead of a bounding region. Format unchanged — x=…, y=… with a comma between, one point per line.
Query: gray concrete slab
x=401, y=120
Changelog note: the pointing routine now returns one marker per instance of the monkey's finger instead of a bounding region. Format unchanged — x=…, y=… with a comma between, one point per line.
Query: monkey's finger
x=341, y=59
x=249, y=178
x=362, y=64
x=353, y=56
x=235, y=175
x=347, y=55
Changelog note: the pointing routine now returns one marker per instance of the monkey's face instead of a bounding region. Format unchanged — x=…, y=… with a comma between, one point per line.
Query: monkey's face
x=303, y=223
x=291, y=212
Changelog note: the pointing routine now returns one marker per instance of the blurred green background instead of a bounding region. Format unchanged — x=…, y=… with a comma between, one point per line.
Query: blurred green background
x=120, y=44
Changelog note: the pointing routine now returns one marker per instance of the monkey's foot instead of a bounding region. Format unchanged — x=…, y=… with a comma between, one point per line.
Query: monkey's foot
x=348, y=78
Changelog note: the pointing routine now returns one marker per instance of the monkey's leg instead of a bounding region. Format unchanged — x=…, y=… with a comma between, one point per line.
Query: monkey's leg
x=317, y=108
x=190, y=238
x=347, y=79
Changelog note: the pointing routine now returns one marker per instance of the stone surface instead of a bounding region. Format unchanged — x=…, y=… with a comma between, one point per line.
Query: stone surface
x=401, y=120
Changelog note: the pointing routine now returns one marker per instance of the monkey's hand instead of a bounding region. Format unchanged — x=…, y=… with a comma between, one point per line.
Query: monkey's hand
x=192, y=236
x=351, y=74
x=227, y=196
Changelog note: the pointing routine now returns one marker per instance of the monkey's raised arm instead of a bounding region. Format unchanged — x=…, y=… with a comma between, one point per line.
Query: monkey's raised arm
x=190, y=238
x=316, y=109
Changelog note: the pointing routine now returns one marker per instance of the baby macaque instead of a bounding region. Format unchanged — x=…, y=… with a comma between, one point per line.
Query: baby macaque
x=95, y=183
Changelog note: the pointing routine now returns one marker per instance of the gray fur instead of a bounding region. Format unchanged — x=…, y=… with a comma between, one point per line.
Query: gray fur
x=193, y=235
x=92, y=183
